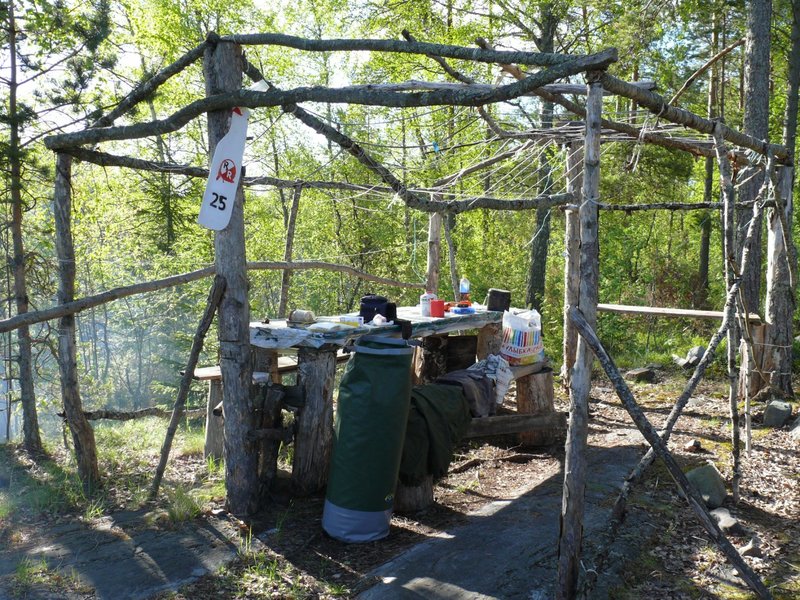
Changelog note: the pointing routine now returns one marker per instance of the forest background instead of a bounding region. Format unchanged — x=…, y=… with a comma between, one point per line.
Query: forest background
x=65, y=63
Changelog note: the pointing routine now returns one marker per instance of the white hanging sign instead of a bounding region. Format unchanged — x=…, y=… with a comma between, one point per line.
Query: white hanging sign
x=224, y=174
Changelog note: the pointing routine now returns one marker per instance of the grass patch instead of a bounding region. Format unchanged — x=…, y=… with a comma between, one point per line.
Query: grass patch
x=182, y=505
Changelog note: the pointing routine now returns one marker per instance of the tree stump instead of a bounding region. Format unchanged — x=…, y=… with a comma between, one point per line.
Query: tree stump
x=215, y=440
x=535, y=397
x=431, y=361
x=316, y=370
x=412, y=499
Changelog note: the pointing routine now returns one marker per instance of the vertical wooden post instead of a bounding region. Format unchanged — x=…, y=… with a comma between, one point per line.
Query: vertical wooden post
x=449, y=224
x=572, y=243
x=434, y=252
x=781, y=284
x=316, y=370
x=572, y=505
x=286, y=279
x=729, y=257
x=222, y=65
x=82, y=432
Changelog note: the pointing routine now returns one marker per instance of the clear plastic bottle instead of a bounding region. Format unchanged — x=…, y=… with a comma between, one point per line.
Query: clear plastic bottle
x=463, y=289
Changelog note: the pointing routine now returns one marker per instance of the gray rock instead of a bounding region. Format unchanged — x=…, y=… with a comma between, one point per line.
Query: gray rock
x=752, y=548
x=645, y=374
x=693, y=357
x=777, y=413
x=709, y=483
x=796, y=429
x=728, y=524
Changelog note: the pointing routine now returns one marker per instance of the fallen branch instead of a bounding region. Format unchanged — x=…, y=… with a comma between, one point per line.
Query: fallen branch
x=693, y=497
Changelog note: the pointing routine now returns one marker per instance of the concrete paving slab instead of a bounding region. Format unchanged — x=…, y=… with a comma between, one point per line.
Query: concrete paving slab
x=508, y=549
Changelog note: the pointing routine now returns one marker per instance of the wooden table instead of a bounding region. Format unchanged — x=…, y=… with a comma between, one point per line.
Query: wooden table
x=316, y=371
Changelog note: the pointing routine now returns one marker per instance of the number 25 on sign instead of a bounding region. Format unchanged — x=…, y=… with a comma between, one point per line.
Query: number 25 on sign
x=224, y=174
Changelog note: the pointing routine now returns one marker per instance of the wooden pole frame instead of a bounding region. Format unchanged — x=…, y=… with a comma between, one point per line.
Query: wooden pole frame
x=572, y=505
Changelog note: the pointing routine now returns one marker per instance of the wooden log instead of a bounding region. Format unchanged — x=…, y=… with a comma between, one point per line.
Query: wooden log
x=661, y=311
x=572, y=243
x=214, y=446
x=572, y=506
x=130, y=415
x=408, y=499
x=555, y=422
x=222, y=65
x=693, y=497
x=82, y=432
x=214, y=296
x=316, y=371
x=535, y=397
x=489, y=340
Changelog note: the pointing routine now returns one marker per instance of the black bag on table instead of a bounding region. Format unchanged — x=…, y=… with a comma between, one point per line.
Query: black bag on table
x=372, y=305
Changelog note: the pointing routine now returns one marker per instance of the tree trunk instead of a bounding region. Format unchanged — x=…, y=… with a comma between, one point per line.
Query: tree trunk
x=449, y=225
x=82, y=432
x=434, y=252
x=756, y=124
x=223, y=63
x=572, y=505
x=30, y=420
x=781, y=261
x=287, y=253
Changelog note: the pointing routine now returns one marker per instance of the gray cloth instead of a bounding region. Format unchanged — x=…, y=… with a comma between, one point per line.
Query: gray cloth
x=478, y=390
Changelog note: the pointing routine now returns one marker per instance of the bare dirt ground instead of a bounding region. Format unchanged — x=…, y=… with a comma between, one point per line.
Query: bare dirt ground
x=663, y=552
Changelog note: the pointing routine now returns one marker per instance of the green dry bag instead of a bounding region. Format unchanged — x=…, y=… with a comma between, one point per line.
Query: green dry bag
x=369, y=430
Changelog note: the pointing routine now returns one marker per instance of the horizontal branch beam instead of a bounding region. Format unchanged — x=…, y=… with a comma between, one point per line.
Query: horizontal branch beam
x=401, y=46
x=474, y=203
x=358, y=94
x=81, y=304
x=659, y=311
x=129, y=415
x=659, y=106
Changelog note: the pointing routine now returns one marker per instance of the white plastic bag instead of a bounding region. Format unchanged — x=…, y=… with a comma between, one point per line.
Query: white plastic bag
x=522, y=338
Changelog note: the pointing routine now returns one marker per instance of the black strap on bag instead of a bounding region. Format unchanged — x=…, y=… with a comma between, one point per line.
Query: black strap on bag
x=405, y=327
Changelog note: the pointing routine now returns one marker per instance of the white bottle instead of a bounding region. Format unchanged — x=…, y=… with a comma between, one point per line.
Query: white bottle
x=425, y=303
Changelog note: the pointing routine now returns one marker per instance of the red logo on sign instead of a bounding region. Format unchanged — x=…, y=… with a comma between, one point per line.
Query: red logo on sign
x=227, y=170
